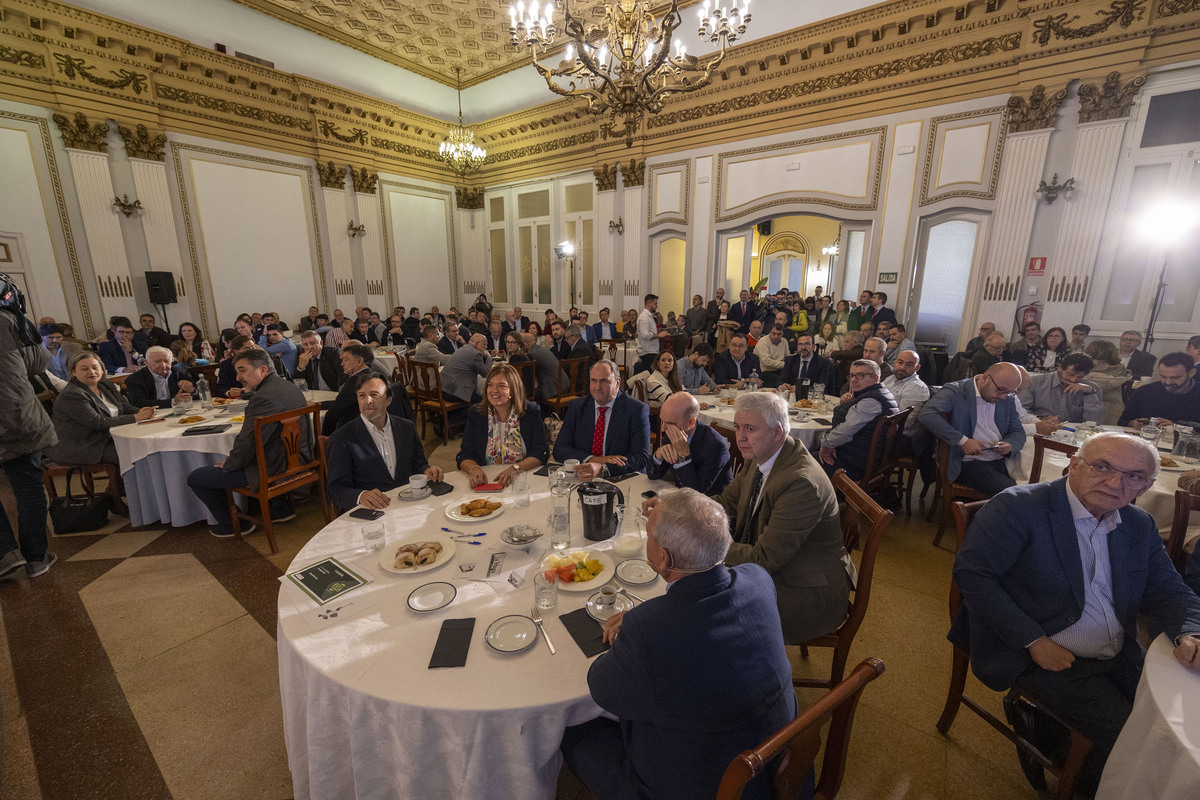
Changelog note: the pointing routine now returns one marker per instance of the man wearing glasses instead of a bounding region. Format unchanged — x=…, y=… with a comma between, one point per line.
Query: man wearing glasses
x=848, y=443
x=983, y=428
x=1053, y=576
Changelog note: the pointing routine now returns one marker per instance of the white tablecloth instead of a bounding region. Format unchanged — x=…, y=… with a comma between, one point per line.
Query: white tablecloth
x=1157, y=754
x=809, y=433
x=365, y=717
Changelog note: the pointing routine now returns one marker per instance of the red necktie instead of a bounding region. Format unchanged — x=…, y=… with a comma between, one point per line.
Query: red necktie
x=598, y=436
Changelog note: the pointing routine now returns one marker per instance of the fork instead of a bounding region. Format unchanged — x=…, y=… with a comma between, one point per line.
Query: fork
x=537, y=620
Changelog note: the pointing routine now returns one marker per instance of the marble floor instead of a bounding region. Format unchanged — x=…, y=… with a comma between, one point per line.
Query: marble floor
x=143, y=666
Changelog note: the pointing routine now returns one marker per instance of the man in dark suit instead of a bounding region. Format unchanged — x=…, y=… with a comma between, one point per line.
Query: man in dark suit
x=606, y=430
x=319, y=366
x=356, y=360
x=880, y=311
x=733, y=367
x=119, y=354
x=785, y=519
x=373, y=453
x=744, y=311
x=149, y=335
x=694, y=456
x=1139, y=362
x=270, y=394
x=983, y=430
x=521, y=321
x=604, y=329
x=694, y=676
x=460, y=376
x=495, y=337
x=227, y=381
x=712, y=311
x=1053, y=576
x=806, y=368
x=451, y=341
x=159, y=383
x=558, y=340
x=309, y=323
x=547, y=366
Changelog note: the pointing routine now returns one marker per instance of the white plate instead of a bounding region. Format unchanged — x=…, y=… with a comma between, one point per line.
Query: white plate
x=407, y=493
x=1179, y=467
x=600, y=612
x=452, y=512
x=511, y=634
x=387, y=556
x=595, y=582
x=636, y=572
x=432, y=596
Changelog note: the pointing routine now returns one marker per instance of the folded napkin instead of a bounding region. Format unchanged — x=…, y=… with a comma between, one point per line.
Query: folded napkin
x=453, y=642
x=586, y=632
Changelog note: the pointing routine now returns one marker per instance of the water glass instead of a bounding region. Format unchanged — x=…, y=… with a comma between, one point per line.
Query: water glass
x=302, y=385
x=520, y=489
x=560, y=530
x=373, y=536
x=545, y=589
x=817, y=393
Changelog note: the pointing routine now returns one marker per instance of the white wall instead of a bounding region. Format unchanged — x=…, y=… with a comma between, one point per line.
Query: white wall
x=420, y=244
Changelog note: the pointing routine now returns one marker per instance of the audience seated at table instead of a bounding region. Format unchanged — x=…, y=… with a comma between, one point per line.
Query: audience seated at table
x=852, y=350
x=84, y=412
x=1018, y=350
x=373, y=364
x=985, y=330
x=514, y=348
x=1063, y=395
x=897, y=343
x=373, y=452
x=874, y=349
x=693, y=370
x=694, y=676
x=773, y=352
x=910, y=391
x=690, y=454
x=119, y=354
x=1108, y=374
x=862, y=409
x=453, y=339
x=309, y=323
x=190, y=335
x=1175, y=396
x=319, y=366
x=785, y=519
x=394, y=336
x=364, y=334
x=993, y=350
x=547, y=365
x=149, y=334
x=502, y=429
x=159, y=382
x=1140, y=363
x=339, y=334
x=1057, y=613
x=661, y=381
x=1190, y=483
x=735, y=365
x=1045, y=355
x=805, y=369
x=356, y=360
x=607, y=431
x=282, y=347
x=828, y=339
x=428, y=349
x=60, y=352
x=269, y=394
x=579, y=346
x=460, y=376
x=227, y=382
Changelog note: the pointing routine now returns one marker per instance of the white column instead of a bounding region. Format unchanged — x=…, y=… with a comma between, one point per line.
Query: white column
x=162, y=237
x=344, y=289
x=609, y=243
x=371, y=242
x=700, y=236
x=474, y=267
x=634, y=251
x=102, y=227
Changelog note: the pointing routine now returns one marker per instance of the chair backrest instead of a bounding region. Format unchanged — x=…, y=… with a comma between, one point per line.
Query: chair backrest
x=1185, y=504
x=528, y=372
x=293, y=437
x=885, y=449
x=1040, y=445
x=736, y=459
x=963, y=514
x=568, y=377
x=800, y=740
x=860, y=505
x=427, y=382
x=322, y=446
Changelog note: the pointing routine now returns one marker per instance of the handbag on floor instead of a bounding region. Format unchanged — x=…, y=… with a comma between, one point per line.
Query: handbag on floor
x=79, y=514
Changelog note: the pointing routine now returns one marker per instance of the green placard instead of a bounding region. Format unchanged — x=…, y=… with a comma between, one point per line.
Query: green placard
x=326, y=580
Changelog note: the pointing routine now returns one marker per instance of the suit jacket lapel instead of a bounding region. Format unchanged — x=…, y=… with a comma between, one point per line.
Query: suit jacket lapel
x=401, y=456
x=1062, y=527
x=972, y=412
x=1120, y=552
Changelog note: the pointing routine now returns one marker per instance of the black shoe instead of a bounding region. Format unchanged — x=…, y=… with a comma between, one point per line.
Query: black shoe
x=1024, y=719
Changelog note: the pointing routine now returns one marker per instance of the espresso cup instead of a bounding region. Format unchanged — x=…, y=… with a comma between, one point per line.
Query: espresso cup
x=418, y=483
x=608, y=595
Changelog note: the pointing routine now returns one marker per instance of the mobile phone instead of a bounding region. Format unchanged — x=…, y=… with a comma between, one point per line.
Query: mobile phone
x=440, y=488
x=366, y=513
x=649, y=493
x=490, y=487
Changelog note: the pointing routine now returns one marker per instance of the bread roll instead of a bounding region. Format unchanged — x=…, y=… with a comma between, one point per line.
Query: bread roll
x=426, y=556
x=405, y=560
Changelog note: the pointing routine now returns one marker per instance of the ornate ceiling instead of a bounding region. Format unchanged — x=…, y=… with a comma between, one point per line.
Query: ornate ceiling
x=428, y=38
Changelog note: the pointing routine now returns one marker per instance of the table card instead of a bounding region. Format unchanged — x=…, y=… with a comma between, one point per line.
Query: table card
x=327, y=580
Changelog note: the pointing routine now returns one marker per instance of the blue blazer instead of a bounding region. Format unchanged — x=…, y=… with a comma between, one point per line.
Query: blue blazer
x=112, y=355
x=627, y=433
x=353, y=463
x=1021, y=578
x=697, y=676
x=958, y=399
x=744, y=320
x=708, y=471
x=726, y=370
x=598, y=334
x=475, y=436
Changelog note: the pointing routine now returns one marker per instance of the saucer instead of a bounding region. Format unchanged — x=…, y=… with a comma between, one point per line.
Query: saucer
x=407, y=493
x=600, y=612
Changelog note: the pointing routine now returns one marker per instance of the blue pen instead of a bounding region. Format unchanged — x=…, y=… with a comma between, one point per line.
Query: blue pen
x=462, y=533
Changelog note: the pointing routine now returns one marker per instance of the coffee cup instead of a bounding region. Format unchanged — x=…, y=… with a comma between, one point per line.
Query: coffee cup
x=608, y=595
x=569, y=466
x=418, y=483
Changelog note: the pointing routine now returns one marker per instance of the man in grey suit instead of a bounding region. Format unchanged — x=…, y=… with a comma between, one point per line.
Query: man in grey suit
x=427, y=349
x=271, y=394
x=459, y=376
x=547, y=366
x=785, y=518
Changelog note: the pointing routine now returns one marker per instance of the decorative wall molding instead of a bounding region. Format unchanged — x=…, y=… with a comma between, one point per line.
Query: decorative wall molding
x=633, y=174
x=388, y=234
x=1039, y=111
x=364, y=180
x=470, y=198
x=935, y=153
x=354, y=136
x=1169, y=8
x=1120, y=12
x=678, y=216
x=332, y=176
x=140, y=143
x=76, y=68
x=22, y=58
x=1109, y=100
x=606, y=177
x=82, y=135
x=177, y=95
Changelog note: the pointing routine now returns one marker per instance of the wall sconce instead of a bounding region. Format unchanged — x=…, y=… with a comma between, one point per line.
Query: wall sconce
x=1051, y=192
x=127, y=208
x=618, y=226
x=355, y=230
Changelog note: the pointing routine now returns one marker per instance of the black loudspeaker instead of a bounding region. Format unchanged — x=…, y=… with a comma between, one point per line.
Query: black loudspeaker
x=161, y=288
x=764, y=228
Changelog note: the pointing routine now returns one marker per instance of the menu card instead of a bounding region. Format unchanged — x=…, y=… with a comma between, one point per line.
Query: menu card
x=327, y=580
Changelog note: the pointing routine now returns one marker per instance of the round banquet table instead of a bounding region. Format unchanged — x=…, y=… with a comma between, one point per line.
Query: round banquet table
x=155, y=459
x=1158, y=752
x=809, y=433
x=363, y=714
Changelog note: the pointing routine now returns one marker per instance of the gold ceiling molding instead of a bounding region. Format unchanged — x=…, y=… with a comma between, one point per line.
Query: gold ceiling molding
x=22, y=58
x=785, y=242
x=548, y=146
x=1119, y=12
x=364, y=180
x=633, y=174
x=1169, y=8
x=82, y=135
x=1040, y=111
x=935, y=147
x=140, y=143
x=606, y=177
x=176, y=94
x=74, y=68
x=1109, y=100
x=470, y=198
x=331, y=175
x=353, y=136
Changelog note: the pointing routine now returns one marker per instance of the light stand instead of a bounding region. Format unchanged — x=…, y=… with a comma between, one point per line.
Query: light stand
x=1165, y=224
x=567, y=250
x=1156, y=306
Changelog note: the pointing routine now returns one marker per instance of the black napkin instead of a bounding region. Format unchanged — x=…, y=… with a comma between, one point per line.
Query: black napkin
x=586, y=632
x=453, y=642
x=201, y=430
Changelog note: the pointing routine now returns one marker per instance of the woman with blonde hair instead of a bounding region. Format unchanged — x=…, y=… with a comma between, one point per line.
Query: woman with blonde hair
x=86, y=410
x=502, y=429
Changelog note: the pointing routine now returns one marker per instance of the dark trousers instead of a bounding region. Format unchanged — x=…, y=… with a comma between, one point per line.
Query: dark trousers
x=989, y=477
x=209, y=485
x=595, y=753
x=25, y=475
x=646, y=362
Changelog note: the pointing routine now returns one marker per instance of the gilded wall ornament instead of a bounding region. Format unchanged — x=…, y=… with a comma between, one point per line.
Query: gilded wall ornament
x=606, y=177
x=1169, y=8
x=355, y=136
x=379, y=143
x=469, y=197
x=543, y=147
x=73, y=68
x=175, y=94
x=1109, y=100
x=81, y=135
x=634, y=173
x=364, y=181
x=139, y=143
x=332, y=176
x=1038, y=112
x=22, y=58
x=1120, y=12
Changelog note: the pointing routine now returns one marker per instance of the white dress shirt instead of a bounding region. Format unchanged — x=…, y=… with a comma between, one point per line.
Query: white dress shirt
x=385, y=442
x=647, y=329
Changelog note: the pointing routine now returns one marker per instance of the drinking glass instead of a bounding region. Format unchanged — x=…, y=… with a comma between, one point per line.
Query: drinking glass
x=302, y=385
x=180, y=405
x=373, y=536
x=818, y=389
x=520, y=489
x=545, y=589
x=560, y=530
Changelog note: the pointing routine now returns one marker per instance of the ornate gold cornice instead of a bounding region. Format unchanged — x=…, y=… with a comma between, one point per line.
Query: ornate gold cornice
x=74, y=68
x=176, y=94
x=22, y=58
x=1169, y=8
x=1038, y=112
x=470, y=198
x=140, y=143
x=331, y=176
x=633, y=173
x=606, y=177
x=81, y=134
x=1120, y=12
x=364, y=181
x=1109, y=100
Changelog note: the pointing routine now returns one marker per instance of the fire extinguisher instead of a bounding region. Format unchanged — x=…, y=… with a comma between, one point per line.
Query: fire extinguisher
x=1028, y=314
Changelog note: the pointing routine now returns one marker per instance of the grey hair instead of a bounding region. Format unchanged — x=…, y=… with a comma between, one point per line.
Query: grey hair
x=772, y=407
x=853, y=338
x=882, y=343
x=868, y=363
x=613, y=370
x=1137, y=442
x=693, y=527
x=309, y=335
x=574, y=332
x=159, y=349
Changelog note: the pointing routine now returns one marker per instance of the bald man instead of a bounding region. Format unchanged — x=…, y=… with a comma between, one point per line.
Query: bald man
x=690, y=453
x=984, y=427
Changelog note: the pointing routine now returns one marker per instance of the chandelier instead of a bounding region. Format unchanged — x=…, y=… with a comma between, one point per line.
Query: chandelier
x=459, y=151
x=623, y=67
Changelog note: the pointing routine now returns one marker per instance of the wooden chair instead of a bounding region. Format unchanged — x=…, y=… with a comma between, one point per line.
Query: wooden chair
x=736, y=459
x=1080, y=746
x=1040, y=445
x=907, y=469
x=331, y=510
x=297, y=474
x=209, y=371
x=87, y=475
x=427, y=394
x=948, y=491
x=859, y=505
x=528, y=372
x=568, y=377
x=1185, y=504
x=884, y=452
x=792, y=751
x=119, y=381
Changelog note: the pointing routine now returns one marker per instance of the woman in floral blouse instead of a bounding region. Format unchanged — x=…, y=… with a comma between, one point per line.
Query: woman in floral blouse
x=502, y=429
